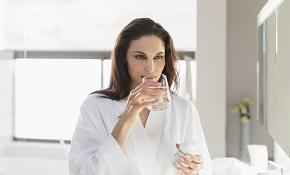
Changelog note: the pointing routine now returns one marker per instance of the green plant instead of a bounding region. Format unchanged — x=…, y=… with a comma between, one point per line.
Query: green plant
x=243, y=109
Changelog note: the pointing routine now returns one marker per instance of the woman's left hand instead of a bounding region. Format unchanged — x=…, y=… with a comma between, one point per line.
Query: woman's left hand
x=189, y=165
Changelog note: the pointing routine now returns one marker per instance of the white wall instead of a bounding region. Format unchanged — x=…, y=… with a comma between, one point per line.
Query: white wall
x=211, y=72
x=6, y=89
x=227, y=52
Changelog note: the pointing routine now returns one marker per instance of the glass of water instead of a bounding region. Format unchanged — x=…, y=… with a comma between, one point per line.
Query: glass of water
x=166, y=98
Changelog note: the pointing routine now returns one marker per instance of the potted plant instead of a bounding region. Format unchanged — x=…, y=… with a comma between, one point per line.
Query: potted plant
x=243, y=111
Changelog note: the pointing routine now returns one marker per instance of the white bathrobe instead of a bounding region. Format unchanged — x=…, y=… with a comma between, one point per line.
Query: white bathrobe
x=149, y=150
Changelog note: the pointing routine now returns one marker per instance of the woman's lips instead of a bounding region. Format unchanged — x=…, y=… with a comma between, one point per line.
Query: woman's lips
x=148, y=77
x=152, y=78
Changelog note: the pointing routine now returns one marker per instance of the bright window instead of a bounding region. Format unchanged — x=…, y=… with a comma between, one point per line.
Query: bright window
x=49, y=92
x=48, y=95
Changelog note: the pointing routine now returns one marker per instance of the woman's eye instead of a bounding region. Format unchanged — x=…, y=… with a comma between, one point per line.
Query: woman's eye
x=159, y=57
x=139, y=56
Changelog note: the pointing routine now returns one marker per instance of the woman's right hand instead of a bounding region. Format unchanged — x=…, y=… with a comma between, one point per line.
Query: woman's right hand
x=144, y=95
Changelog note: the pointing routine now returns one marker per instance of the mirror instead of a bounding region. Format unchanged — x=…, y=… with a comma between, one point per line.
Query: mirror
x=274, y=75
x=267, y=38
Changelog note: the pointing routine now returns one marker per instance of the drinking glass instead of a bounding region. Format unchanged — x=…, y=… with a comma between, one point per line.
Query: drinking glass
x=165, y=99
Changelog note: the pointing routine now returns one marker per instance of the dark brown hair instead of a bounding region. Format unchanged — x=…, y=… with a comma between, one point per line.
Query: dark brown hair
x=120, y=81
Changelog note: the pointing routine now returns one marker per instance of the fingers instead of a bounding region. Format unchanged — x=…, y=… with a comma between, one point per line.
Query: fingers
x=146, y=92
x=191, y=164
x=141, y=101
x=188, y=165
x=152, y=103
x=148, y=86
x=195, y=158
x=144, y=97
x=185, y=170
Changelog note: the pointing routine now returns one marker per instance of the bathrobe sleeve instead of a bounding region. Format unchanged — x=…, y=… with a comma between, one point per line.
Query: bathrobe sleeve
x=194, y=131
x=94, y=151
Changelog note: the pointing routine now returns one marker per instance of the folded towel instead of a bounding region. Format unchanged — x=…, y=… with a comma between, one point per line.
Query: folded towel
x=231, y=166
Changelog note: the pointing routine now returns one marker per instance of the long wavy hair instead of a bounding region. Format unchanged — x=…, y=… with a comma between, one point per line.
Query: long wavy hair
x=120, y=80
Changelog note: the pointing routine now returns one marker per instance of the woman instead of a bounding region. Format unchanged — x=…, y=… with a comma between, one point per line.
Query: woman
x=116, y=133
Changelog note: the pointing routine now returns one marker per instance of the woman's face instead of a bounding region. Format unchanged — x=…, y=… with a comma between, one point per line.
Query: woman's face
x=145, y=57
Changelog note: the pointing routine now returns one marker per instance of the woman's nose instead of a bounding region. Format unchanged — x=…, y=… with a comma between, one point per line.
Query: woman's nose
x=149, y=66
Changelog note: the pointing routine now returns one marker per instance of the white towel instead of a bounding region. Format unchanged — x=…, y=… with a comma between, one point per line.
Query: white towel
x=231, y=166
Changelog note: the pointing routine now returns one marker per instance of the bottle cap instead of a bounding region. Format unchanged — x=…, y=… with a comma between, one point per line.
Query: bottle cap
x=189, y=148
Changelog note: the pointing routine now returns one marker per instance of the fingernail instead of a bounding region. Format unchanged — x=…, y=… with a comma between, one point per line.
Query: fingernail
x=181, y=159
x=188, y=156
x=178, y=165
x=185, y=165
